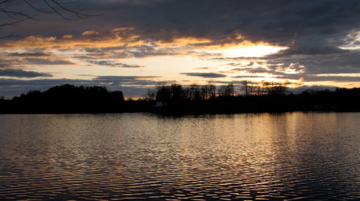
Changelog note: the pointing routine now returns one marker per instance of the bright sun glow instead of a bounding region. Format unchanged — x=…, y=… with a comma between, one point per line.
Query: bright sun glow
x=254, y=51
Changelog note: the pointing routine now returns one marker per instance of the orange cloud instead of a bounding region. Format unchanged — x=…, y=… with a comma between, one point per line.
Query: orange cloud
x=184, y=41
x=88, y=39
x=125, y=38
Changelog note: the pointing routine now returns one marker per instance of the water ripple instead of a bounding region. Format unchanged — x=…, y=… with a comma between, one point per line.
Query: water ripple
x=144, y=157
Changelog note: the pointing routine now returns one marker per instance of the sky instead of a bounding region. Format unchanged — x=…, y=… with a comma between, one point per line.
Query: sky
x=134, y=45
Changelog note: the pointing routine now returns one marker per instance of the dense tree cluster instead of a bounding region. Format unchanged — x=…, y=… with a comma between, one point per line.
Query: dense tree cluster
x=66, y=99
x=178, y=99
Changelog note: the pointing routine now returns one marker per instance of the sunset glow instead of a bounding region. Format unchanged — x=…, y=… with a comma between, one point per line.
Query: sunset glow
x=131, y=46
x=253, y=51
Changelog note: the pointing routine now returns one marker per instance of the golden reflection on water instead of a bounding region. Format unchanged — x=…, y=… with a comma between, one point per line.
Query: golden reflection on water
x=269, y=156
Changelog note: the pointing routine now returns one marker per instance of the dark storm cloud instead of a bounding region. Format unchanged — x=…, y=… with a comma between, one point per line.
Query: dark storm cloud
x=205, y=75
x=22, y=74
x=278, y=21
x=322, y=22
x=308, y=27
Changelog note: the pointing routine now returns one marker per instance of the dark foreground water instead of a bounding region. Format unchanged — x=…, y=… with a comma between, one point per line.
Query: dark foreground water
x=291, y=156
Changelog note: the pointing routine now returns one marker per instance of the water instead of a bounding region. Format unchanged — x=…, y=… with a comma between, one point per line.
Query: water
x=291, y=156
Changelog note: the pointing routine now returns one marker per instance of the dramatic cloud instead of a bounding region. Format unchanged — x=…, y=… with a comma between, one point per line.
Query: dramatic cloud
x=278, y=22
x=308, y=43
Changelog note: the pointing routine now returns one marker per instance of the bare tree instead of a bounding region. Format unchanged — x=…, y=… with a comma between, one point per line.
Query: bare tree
x=227, y=90
x=193, y=92
x=16, y=11
x=150, y=95
x=264, y=88
x=251, y=88
x=245, y=87
x=277, y=88
x=208, y=91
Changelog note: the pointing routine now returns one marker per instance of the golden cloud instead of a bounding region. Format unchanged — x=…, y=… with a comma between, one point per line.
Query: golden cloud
x=88, y=39
x=125, y=37
x=184, y=41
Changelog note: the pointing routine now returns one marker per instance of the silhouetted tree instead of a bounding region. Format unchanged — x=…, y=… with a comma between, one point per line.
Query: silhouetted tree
x=193, y=92
x=264, y=88
x=276, y=88
x=176, y=92
x=171, y=95
x=150, y=95
x=208, y=91
x=227, y=90
x=163, y=93
x=251, y=88
x=244, y=87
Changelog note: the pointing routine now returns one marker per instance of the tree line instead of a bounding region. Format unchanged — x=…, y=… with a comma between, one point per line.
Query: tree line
x=178, y=99
x=164, y=92
x=255, y=97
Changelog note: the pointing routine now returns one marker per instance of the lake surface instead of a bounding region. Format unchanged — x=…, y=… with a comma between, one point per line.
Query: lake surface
x=290, y=156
